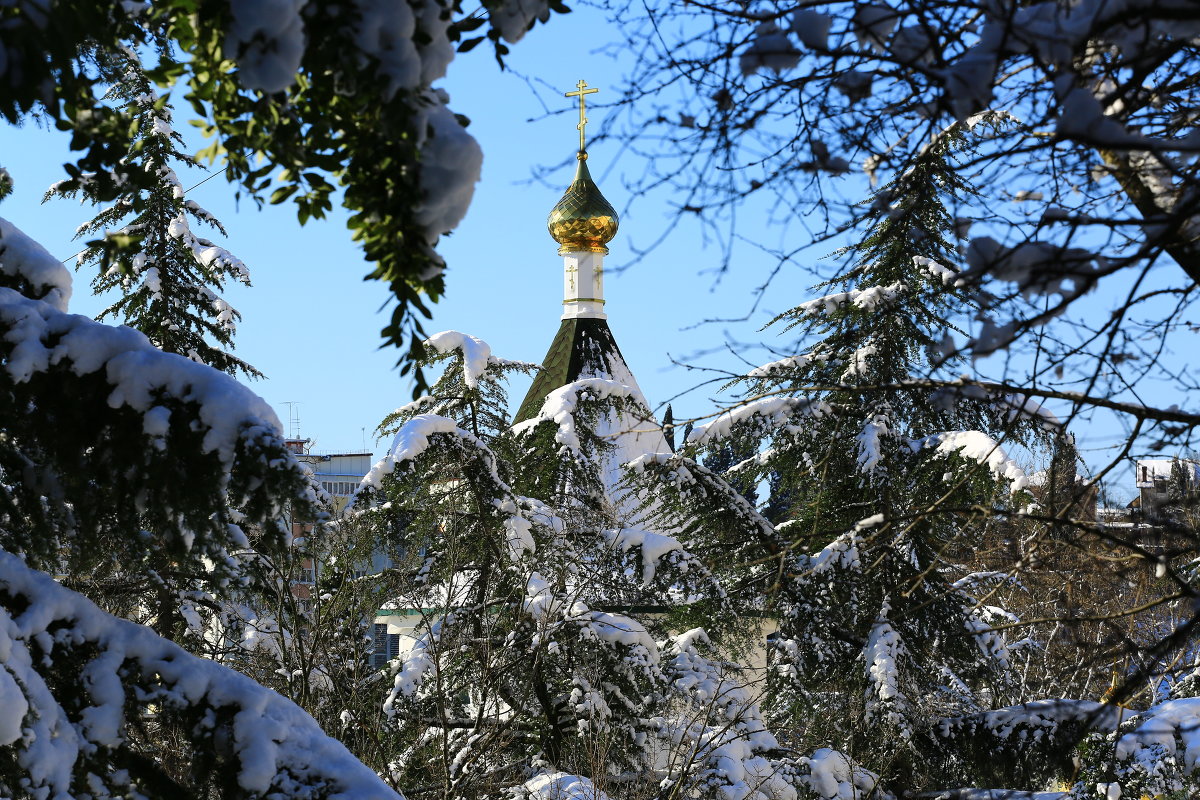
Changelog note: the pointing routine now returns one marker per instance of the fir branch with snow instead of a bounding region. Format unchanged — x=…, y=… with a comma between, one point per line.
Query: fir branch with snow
x=883, y=482
x=537, y=599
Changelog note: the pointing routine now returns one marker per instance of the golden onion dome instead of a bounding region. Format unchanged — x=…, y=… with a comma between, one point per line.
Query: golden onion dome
x=583, y=221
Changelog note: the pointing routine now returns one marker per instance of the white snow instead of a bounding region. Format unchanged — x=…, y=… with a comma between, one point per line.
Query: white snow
x=513, y=18
x=476, y=353
x=13, y=705
x=139, y=374
x=872, y=23
x=274, y=743
x=618, y=629
x=654, y=547
x=834, y=776
x=561, y=405
x=1038, y=268
x=22, y=257
x=266, y=38
x=518, y=531
x=912, y=45
x=884, y=699
x=938, y=273
x=783, y=365
x=1025, y=407
x=451, y=161
x=410, y=442
x=841, y=553
x=1150, y=469
x=870, y=298
x=1037, y=719
x=870, y=439
x=812, y=28
x=770, y=49
x=562, y=786
x=1159, y=727
x=983, y=449
x=769, y=413
x=385, y=31
x=414, y=667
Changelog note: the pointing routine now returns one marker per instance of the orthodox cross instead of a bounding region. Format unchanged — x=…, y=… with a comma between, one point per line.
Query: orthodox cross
x=581, y=92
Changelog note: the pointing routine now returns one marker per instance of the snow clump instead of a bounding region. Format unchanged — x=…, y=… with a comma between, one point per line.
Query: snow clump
x=266, y=38
x=476, y=353
x=23, y=258
x=451, y=161
x=771, y=49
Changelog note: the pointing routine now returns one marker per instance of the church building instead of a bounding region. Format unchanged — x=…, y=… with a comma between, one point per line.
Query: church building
x=583, y=223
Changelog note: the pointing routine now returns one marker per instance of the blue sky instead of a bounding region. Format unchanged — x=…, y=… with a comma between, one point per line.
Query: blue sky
x=312, y=324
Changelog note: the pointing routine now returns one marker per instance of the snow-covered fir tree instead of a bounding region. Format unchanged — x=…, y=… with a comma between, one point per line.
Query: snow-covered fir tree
x=881, y=636
x=555, y=645
x=115, y=457
x=169, y=281
x=169, y=278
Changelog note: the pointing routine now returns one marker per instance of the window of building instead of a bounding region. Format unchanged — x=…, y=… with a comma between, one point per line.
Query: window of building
x=379, y=642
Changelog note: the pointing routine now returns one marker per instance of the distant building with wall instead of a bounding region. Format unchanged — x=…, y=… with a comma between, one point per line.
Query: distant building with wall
x=340, y=475
x=1153, y=481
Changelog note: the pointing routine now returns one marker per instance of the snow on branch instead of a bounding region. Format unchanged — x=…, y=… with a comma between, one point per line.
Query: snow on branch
x=767, y=413
x=1055, y=33
x=1158, y=751
x=770, y=49
x=64, y=743
x=1040, y=720
x=476, y=353
x=653, y=546
x=562, y=404
x=27, y=261
x=37, y=338
x=871, y=298
x=720, y=724
x=560, y=786
x=451, y=161
x=1037, y=268
x=413, y=440
x=834, y=776
x=786, y=365
x=689, y=476
x=885, y=699
x=978, y=446
x=1022, y=407
x=937, y=273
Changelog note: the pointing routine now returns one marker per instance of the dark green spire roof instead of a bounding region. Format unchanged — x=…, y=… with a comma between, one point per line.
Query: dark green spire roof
x=582, y=348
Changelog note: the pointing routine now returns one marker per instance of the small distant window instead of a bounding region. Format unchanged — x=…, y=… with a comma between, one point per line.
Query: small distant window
x=379, y=648
x=306, y=575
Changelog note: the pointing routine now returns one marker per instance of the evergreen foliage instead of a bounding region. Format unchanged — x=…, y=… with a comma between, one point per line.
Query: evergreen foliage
x=543, y=644
x=880, y=634
x=136, y=475
x=169, y=277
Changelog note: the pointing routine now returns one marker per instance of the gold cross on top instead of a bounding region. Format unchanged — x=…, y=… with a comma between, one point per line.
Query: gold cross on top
x=581, y=92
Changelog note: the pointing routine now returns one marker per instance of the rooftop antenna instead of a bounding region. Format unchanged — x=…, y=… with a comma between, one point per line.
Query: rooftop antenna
x=293, y=418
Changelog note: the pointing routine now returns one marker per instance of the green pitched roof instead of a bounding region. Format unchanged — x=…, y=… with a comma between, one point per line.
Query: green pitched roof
x=582, y=347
